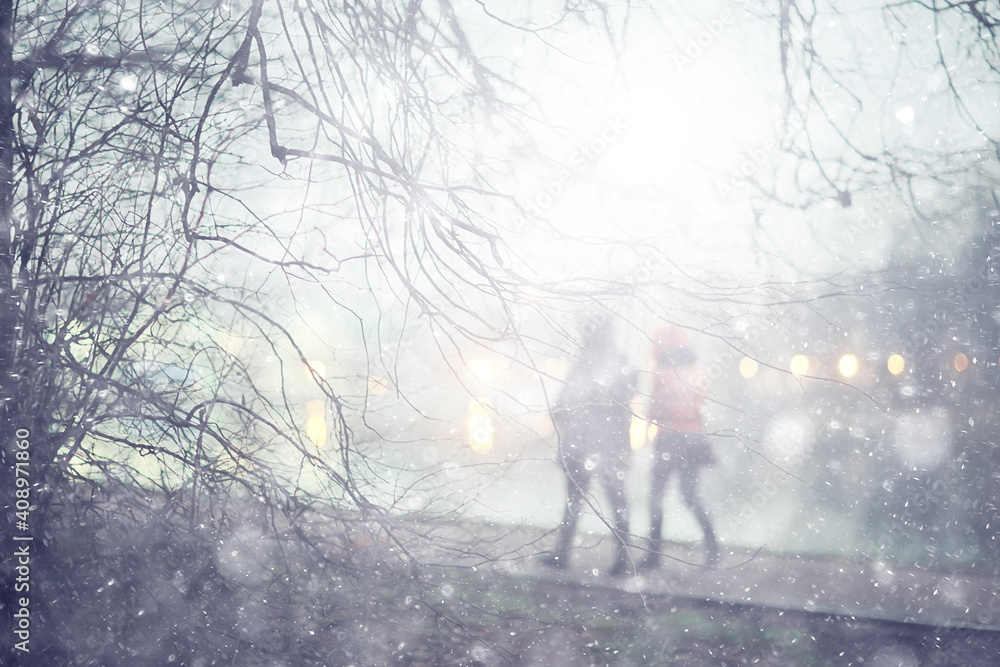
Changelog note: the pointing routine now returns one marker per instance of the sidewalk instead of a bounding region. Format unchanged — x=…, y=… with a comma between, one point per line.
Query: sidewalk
x=870, y=590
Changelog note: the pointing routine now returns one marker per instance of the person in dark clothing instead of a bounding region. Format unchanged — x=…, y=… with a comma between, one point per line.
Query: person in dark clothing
x=592, y=418
x=681, y=447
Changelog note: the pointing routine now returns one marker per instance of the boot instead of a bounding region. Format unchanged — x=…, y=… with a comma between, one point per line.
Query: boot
x=650, y=562
x=621, y=564
x=556, y=561
x=712, y=556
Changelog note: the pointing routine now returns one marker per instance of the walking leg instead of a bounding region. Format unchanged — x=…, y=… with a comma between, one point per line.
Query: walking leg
x=689, y=487
x=657, y=490
x=619, y=504
x=577, y=481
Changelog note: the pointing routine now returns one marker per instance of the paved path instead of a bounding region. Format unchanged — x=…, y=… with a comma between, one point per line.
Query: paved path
x=871, y=590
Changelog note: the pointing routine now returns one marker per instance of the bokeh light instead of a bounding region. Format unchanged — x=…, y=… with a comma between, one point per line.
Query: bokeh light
x=848, y=365
x=316, y=423
x=556, y=367
x=480, y=432
x=896, y=364
x=315, y=369
x=748, y=367
x=637, y=432
x=638, y=429
x=799, y=364
x=961, y=362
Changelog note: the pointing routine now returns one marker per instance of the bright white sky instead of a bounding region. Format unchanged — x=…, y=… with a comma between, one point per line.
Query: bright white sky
x=673, y=124
x=699, y=95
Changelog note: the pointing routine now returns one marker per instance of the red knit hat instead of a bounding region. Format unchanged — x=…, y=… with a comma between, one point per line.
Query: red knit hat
x=669, y=337
x=671, y=346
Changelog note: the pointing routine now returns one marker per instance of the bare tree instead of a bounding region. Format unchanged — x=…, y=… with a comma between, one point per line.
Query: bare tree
x=148, y=279
x=242, y=244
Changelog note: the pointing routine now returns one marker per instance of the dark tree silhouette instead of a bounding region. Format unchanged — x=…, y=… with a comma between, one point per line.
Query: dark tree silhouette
x=148, y=281
x=226, y=230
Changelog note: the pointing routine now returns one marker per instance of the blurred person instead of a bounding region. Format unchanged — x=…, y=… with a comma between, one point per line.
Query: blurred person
x=681, y=448
x=592, y=417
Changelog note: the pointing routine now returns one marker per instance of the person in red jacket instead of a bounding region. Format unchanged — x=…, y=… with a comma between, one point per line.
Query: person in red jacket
x=678, y=396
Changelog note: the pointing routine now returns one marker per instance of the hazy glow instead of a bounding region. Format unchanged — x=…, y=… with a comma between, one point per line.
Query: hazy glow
x=315, y=369
x=316, y=423
x=799, y=364
x=637, y=432
x=480, y=427
x=676, y=115
x=961, y=362
x=848, y=365
x=128, y=83
x=638, y=428
x=556, y=367
x=922, y=439
x=748, y=367
x=659, y=126
x=896, y=364
x=231, y=343
x=377, y=385
x=790, y=436
x=481, y=369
